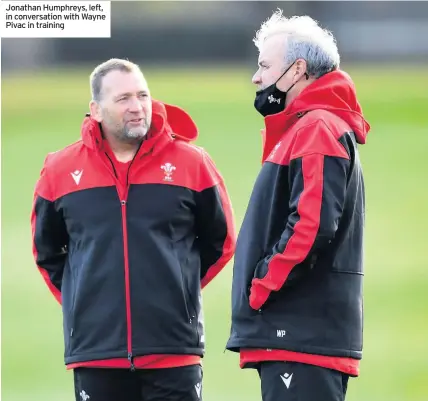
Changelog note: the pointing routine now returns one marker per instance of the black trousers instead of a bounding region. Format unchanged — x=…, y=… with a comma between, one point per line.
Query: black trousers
x=292, y=381
x=170, y=384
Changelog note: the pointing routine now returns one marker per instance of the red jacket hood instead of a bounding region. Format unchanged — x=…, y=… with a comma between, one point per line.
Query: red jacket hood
x=181, y=124
x=166, y=119
x=334, y=92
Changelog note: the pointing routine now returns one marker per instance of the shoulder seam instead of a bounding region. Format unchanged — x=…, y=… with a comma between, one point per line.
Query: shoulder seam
x=319, y=121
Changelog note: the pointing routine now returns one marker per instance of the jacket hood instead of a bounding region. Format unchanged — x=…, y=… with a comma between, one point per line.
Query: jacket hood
x=166, y=119
x=336, y=93
x=180, y=122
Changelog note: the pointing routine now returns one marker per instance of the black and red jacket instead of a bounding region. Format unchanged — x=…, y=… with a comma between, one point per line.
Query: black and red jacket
x=298, y=268
x=127, y=260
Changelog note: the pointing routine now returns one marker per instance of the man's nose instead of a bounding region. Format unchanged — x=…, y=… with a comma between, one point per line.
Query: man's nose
x=135, y=104
x=256, y=79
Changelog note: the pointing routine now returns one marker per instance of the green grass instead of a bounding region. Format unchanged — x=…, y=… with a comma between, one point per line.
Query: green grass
x=43, y=112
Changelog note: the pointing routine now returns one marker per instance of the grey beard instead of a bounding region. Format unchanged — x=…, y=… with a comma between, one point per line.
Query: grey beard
x=126, y=137
x=131, y=135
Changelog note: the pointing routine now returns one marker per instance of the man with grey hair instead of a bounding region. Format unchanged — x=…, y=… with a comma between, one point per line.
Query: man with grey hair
x=129, y=224
x=297, y=301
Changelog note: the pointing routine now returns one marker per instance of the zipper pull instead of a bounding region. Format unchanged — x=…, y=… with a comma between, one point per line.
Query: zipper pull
x=132, y=362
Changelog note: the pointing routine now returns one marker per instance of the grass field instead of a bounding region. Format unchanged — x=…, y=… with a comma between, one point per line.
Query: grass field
x=42, y=113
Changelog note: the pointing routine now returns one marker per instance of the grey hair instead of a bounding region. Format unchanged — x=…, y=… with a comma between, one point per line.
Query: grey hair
x=305, y=39
x=100, y=71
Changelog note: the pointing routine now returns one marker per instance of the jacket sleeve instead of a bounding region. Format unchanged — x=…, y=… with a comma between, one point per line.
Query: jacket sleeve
x=49, y=236
x=215, y=227
x=318, y=175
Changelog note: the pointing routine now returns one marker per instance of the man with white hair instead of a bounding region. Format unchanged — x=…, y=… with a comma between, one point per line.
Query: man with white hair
x=129, y=223
x=297, y=301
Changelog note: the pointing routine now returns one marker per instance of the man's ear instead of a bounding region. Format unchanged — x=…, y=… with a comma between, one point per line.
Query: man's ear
x=95, y=110
x=300, y=69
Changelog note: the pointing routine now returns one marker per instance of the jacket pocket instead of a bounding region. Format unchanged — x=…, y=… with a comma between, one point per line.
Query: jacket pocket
x=261, y=269
x=178, y=268
x=71, y=315
x=184, y=289
x=300, y=275
x=190, y=307
x=73, y=306
x=186, y=303
x=194, y=320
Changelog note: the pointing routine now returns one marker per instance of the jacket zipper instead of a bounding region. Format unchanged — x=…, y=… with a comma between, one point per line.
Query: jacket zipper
x=123, y=203
x=127, y=283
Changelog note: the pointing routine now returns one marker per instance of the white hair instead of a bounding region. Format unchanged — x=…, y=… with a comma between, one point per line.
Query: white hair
x=305, y=39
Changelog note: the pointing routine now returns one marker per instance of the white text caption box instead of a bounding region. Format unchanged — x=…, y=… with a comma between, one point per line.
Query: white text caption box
x=55, y=19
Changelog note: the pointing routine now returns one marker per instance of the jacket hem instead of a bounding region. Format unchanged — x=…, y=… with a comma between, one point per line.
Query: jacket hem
x=168, y=350
x=235, y=345
x=86, y=357
x=94, y=356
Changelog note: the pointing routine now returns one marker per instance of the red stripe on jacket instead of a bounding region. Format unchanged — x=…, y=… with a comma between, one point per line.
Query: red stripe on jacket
x=305, y=232
x=45, y=193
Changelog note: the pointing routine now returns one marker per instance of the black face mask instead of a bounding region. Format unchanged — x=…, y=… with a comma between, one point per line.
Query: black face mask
x=271, y=100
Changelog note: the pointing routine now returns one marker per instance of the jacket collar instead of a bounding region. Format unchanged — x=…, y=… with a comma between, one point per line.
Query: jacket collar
x=168, y=122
